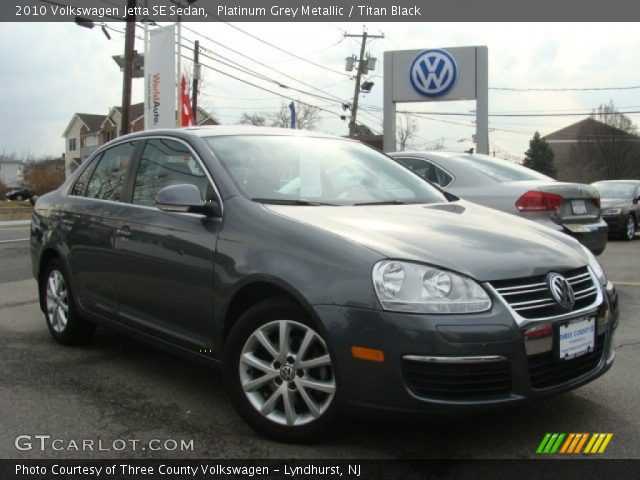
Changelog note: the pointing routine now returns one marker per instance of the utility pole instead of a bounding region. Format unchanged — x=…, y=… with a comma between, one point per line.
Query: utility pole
x=196, y=78
x=360, y=70
x=129, y=41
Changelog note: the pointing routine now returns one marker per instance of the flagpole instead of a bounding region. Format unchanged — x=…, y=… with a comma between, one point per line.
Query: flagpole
x=179, y=63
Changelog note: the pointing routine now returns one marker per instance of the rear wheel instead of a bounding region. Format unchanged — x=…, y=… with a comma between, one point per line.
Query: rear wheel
x=64, y=322
x=279, y=372
x=630, y=229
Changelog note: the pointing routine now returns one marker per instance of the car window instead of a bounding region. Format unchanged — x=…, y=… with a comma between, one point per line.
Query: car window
x=615, y=190
x=164, y=163
x=322, y=170
x=108, y=178
x=500, y=170
x=80, y=187
x=441, y=177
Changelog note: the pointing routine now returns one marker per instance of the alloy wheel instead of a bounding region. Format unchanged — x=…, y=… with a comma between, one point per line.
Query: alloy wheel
x=57, y=301
x=286, y=373
x=631, y=228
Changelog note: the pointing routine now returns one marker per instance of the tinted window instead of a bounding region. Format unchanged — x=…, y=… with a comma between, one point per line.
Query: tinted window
x=615, y=190
x=80, y=187
x=427, y=170
x=321, y=170
x=164, y=163
x=107, y=180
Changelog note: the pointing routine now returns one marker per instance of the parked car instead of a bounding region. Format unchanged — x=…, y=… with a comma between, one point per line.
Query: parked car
x=566, y=207
x=361, y=287
x=620, y=206
x=18, y=193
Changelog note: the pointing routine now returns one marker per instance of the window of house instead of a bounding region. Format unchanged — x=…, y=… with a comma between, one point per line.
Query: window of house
x=108, y=136
x=72, y=144
x=164, y=163
x=108, y=177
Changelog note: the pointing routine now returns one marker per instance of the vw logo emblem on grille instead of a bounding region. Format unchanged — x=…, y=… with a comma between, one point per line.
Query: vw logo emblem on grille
x=433, y=73
x=561, y=290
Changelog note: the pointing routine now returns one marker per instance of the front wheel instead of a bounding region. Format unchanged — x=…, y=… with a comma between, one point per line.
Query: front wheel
x=64, y=322
x=630, y=229
x=279, y=372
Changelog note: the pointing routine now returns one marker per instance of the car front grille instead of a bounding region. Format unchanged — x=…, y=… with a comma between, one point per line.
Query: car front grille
x=546, y=370
x=530, y=297
x=475, y=381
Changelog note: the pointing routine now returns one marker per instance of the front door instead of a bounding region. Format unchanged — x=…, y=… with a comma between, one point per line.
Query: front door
x=165, y=260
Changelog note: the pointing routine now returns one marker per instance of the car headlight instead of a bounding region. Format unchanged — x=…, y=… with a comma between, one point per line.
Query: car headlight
x=595, y=266
x=415, y=288
x=611, y=211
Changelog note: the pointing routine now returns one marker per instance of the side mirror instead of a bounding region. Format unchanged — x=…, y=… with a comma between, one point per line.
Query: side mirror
x=185, y=198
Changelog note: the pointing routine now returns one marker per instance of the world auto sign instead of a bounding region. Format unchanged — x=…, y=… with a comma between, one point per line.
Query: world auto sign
x=436, y=75
x=160, y=79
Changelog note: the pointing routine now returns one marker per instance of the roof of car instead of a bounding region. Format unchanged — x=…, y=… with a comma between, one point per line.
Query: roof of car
x=225, y=130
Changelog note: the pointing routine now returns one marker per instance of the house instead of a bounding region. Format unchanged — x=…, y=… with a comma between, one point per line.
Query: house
x=86, y=132
x=11, y=170
x=591, y=150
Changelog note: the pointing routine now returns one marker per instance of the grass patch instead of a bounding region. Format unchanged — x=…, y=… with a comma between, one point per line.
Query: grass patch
x=15, y=210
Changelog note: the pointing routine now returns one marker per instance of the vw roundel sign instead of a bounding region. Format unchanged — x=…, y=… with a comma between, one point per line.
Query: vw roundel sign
x=433, y=73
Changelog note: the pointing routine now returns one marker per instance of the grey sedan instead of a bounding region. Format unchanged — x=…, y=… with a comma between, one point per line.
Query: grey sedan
x=620, y=206
x=566, y=207
x=319, y=275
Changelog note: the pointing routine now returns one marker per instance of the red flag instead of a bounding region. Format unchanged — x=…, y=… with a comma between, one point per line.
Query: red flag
x=186, y=116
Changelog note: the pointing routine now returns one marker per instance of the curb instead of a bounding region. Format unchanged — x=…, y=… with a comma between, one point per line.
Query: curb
x=14, y=223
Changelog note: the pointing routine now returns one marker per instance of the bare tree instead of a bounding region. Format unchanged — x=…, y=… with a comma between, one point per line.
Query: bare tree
x=607, y=147
x=3, y=189
x=44, y=175
x=253, y=119
x=307, y=117
x=406, y=129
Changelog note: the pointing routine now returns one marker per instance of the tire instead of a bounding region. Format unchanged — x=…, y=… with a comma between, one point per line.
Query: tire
x=629, y=230
x=274, y=380
x=66, y=326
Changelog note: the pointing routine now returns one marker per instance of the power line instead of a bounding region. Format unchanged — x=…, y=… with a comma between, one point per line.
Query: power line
x=463, y=114
x=585, y=89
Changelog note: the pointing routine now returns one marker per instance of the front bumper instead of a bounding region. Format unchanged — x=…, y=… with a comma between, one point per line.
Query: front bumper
x=617, y=223
x=394, y=384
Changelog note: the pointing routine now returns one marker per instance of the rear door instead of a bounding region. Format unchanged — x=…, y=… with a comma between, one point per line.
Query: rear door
x=165, y=260
x=89, y=219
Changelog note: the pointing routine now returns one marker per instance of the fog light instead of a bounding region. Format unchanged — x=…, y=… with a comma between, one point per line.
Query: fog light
x=371, y=354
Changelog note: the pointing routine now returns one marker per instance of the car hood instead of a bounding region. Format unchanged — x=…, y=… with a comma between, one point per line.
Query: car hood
x=614, y=202
x=482, y=243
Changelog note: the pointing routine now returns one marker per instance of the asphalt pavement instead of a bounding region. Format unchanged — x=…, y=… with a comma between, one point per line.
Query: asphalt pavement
x=115, y=388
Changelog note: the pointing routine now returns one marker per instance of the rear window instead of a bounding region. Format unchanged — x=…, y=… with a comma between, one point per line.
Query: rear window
x=615, y=190
x=500, y=170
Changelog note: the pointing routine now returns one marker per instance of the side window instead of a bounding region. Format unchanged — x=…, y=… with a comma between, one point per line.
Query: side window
x=164, y=163
x=421, y=167
x=80, y=187
x=442, y=178
x=108, y=177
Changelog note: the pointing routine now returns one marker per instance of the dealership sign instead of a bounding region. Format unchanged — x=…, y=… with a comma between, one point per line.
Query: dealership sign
x=436, y=75
x=433, y=73
x=160, y=79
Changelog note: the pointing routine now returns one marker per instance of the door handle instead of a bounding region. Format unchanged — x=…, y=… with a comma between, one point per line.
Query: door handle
x=123, y=232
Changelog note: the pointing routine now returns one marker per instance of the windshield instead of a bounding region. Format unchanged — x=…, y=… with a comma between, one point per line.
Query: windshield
x=303, y=170
x=615, y=190
x=501, y=170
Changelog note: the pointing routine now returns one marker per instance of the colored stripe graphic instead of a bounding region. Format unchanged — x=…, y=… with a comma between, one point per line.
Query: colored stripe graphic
x=574, y=443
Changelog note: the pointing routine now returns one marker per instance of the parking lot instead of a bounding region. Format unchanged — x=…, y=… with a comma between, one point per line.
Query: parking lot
x=115, y=388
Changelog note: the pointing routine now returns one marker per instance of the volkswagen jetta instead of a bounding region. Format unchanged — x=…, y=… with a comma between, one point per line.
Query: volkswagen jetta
x=319, y=274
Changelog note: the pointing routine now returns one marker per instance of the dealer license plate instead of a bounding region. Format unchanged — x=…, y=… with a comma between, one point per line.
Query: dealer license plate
x=578, y=207
x=577, y=338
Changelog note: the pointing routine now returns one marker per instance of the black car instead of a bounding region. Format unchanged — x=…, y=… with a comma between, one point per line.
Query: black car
x=319, y=274
x=18, y=193
x=620, y=206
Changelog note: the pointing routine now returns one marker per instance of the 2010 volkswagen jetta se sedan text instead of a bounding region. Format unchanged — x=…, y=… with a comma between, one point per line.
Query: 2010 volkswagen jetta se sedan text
x=320, y=274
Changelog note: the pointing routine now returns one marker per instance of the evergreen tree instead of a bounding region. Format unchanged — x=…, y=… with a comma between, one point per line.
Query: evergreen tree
x=540, y=157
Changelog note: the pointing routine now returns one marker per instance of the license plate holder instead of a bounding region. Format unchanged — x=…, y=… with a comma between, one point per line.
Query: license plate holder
x=576, y=338
x=578, y=207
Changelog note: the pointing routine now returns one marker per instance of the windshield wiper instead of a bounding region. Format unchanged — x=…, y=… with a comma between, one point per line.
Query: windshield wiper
x=384, y=202
x=285, y=201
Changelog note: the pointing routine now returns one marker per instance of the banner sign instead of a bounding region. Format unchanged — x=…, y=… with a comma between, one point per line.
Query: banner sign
x=160, y=79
